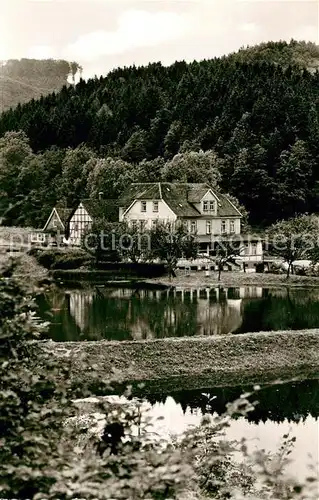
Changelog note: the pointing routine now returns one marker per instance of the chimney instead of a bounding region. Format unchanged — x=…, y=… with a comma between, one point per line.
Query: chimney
x=101, y=195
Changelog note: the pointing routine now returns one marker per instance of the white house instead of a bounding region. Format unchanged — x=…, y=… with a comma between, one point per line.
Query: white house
x=207, y=213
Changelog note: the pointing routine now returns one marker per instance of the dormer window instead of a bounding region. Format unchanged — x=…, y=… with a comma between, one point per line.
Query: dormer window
x=143, y=206
x=155, y=206
x=208, y=206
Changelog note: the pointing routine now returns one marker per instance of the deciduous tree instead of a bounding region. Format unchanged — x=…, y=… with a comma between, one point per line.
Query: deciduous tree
x=171, y=242
x=294, y=239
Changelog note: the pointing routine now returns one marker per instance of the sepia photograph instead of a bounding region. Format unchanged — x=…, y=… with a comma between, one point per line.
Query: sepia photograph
x=159, y=249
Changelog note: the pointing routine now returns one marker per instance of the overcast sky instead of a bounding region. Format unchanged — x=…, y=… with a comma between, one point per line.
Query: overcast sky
x=103, y=34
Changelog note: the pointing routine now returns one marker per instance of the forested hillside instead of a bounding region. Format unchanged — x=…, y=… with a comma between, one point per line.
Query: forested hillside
x=26, y=79
x=257, y=121
x=302, y=54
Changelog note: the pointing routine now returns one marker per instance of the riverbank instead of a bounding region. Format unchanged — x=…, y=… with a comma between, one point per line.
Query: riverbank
x=190, y=363
x=198, y=279
x=26, y=268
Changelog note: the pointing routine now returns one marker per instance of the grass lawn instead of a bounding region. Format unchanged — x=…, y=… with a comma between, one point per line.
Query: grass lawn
x=192, y=362
x=198, y=279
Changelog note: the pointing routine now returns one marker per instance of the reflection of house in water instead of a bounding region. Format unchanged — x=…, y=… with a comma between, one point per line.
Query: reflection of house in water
x=79, y=302
x=146, y=314
x=219, y=310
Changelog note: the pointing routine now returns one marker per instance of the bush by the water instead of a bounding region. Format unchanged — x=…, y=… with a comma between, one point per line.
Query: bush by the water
x=61, y=258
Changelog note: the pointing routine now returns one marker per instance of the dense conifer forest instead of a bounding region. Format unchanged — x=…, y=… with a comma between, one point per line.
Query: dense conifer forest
x=247, y=123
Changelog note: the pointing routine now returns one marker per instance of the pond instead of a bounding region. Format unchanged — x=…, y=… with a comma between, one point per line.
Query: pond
x=97, y=313
x=286, y=408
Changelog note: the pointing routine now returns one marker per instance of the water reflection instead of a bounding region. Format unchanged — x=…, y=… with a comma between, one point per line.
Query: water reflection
x=126, y=314
x=291, y=402
x=282, y=408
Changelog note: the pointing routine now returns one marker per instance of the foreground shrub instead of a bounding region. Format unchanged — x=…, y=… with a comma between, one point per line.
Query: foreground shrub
x=61, y=259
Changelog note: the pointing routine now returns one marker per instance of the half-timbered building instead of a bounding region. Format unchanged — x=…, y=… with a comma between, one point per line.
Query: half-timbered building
x=82, y=218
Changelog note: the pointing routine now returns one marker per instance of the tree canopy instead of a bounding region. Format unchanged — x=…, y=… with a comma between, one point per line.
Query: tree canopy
x=247, y=123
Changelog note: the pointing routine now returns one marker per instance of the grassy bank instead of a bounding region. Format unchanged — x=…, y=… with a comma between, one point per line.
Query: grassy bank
x=25, y=267
x=193, y=362
x=198, y=279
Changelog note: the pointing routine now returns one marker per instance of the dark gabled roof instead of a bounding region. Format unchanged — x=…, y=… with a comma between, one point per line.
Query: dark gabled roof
x=176, y=197
x=180, y=197
x=101, y=208
x=140, y=191
x=226, y=208
x=64, y=214
x=197, y=191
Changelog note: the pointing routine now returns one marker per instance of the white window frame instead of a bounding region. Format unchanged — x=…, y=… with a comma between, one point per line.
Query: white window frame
x=154, y=223
x=143, y=206
x=155, y=206
x=223, y=227
x=208, y=227
x=193, y=226
x=205, y=206
x=134, y=224
x=212, y=206
x=231, y=226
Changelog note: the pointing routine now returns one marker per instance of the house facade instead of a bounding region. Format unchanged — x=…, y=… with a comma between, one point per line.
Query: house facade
x=88, y=211
x=80, y=222
x=54, y=229
x=202, y=210
x=208, y=214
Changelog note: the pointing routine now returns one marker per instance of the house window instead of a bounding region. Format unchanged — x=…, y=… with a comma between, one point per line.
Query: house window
x=254, y=249
x=208, y=227
x=193, y=226
x=143, y=206
x=155, y=206
x=54, y=223
x=223, y=226
x=154, y=223
x=208, y=206
x=134, y=224
x=76, y=227
x=232, y=226
x=142, y=224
